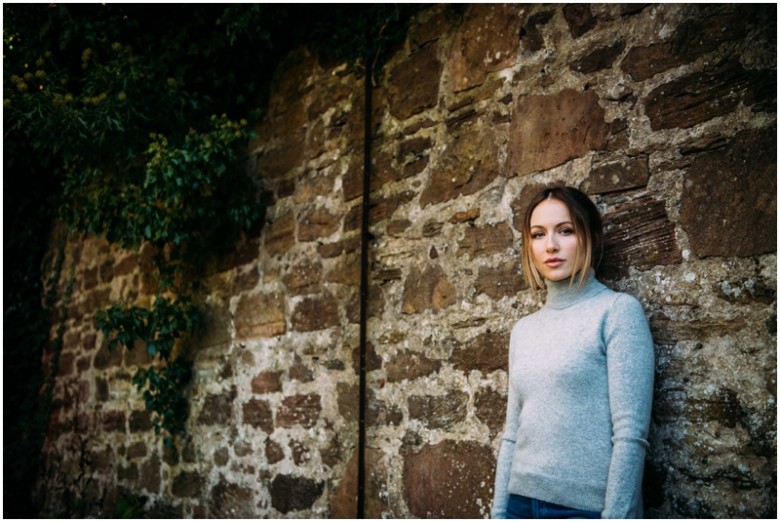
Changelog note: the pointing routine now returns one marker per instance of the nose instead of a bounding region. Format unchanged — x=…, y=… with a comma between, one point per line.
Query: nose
x=552, y=243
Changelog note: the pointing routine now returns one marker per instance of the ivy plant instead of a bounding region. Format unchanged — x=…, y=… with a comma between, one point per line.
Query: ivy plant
x=156, y=330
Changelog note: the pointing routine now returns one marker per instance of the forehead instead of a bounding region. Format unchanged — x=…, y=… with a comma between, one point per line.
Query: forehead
x=550, y=212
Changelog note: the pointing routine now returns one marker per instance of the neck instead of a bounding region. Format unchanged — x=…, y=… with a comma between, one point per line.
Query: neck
x=567, y=292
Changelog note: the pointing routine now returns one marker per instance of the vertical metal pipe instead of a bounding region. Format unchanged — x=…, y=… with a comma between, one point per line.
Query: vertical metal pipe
x=365, y=238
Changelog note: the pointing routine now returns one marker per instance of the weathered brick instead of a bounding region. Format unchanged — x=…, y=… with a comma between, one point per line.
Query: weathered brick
x=449, y=480
x=410, y=365
x=187, y=484
x=217, y=409
x=485, y=42
x=626, y=174
x=504, y=280
x=299, y=410
x=413, y=85
x=114, y=421
x=439, y=412
x=317, y=223
x=638, y=234
x=737, y=185
x=580, y=19
x=486, y=241
x=696, y=36
x=429, y=289
x=487, y=352
x=291, y=493
x=490, y=407
x=258, y=414
x=229, y=500
x=260, y=315
x=273, y=452
x=280, y=234
x=572, y=121
x=150, y=478
x=315, y=313
x=267, y=382
x=469, y=164
x=303, y=278
x=702, y=96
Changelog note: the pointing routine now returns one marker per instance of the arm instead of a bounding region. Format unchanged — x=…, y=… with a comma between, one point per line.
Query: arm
x=630, y=372
x=507, y=450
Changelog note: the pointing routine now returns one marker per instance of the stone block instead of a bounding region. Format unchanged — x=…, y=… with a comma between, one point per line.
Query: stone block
x=150, y=479
x=696, y=36
x=229, y=500
x=317, y=223
x=114, y=421
x=140, y=421
x=490, y=407
x=303, y=278
x=343, y=502
x=485, y=42
x=280, y=234
x=126, y=265
x=469, y=164
x=439, y=412
x=345, y=271
x=599, y=59
x=273, y=452
x=260, y=315
x=550, y=130
x=579, y=18
x=629, y=173
x=293, y=493
x=413, y=155
x=136, y=450
x=258, y=414
x=729, y=202
x=299, y=410
x=373, y=359
x=504, y=280
x=637, y=234
x=450, y=480
x=487, y=352
x=410, y=365
x=315, y=313
x=531, y=37
x=267, y=382
x=187, y=484
x=217, y=409
x=413, y=85
x=486, y=241
x=702, y=96
x=348, y=397
x=427, y=290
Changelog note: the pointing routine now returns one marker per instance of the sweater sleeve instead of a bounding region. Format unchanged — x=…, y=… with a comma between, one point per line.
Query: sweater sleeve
x=507, y=450
x=630, y=372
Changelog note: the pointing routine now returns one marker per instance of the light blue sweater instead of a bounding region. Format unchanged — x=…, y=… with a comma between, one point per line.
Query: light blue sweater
x=578, y=409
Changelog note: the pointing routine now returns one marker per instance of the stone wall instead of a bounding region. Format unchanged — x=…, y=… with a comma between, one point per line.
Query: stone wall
x=664, y=114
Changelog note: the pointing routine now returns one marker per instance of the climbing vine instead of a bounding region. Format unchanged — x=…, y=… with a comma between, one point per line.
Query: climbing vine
x=125, y=126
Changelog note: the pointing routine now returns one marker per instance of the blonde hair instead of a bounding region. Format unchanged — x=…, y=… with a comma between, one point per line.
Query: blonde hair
x=586, y=221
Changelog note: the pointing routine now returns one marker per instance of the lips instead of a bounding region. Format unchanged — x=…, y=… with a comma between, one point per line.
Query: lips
x=553, y=262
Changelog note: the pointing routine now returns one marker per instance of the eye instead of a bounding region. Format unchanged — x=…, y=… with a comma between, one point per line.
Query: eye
x=537, y=235
x=567, y=231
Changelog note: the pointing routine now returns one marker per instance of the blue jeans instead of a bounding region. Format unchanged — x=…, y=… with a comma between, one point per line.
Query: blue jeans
x=524, y=507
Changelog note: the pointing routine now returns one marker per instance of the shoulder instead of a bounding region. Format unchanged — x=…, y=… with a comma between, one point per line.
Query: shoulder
x=626, y=304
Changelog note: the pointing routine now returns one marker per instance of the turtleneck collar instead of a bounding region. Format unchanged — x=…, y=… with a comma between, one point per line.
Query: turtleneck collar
x=565, y=293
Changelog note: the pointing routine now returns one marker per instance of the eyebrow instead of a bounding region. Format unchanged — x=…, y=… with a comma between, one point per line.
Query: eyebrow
x=558, y=225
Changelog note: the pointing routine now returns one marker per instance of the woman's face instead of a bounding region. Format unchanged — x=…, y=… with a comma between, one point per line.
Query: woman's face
x=553, y=240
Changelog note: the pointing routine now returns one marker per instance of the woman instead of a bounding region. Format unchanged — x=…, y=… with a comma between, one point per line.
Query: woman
x=580, y=378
